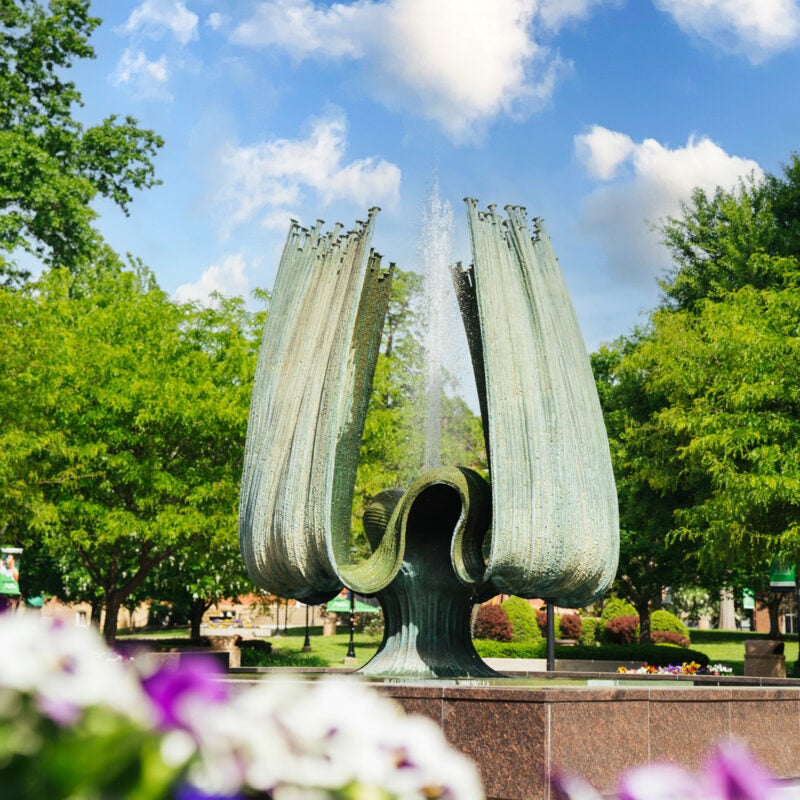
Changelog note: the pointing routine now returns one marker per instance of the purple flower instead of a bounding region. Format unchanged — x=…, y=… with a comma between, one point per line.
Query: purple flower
x=189, y=792
x=733, y=774
x=171, y=687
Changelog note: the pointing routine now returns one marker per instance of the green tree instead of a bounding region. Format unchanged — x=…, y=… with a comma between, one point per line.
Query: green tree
x=650, y=558
x=123, y=423
x=51, y=166
x=730, y=374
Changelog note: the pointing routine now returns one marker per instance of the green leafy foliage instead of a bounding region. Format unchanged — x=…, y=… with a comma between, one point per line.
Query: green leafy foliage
x=661, y=620
x=616, y=607
x=51, y=166
x=590, y=626
x=124, y=421
x=522, y=616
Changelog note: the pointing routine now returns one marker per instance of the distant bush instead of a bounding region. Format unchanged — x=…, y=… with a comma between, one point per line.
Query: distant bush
x=541, y=616
x=668, y=637
x=661, y=620
x=621, y=630
x=589, y=629
x=570, y=625
x=617, y=607
x=522, y=617
x=488, y=649
x=492, y=622
x=280, y=658
x=659, y=655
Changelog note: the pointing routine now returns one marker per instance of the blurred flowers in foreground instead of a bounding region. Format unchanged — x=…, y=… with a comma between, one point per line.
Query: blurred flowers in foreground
x=78, y=723
x=729, y=773
x=686, y=668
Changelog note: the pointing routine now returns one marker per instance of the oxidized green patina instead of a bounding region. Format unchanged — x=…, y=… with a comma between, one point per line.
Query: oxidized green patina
x=552, y=501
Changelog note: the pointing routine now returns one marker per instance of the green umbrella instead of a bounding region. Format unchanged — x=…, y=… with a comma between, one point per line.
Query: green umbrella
x=341, y=605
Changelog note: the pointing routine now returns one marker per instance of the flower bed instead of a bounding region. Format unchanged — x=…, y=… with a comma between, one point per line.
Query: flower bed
x=686, y=668
x=78, y=721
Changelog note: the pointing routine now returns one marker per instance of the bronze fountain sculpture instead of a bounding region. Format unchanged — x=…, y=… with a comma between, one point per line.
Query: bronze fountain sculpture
x=546, y=527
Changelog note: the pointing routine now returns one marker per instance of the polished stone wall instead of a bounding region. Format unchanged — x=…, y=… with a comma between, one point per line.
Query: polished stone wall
x=518, y=736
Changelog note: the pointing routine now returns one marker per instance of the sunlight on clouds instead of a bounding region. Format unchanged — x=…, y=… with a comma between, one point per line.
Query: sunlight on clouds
x=621, y=215
x=556, y=13
x=302, y=29
x=147, y=78
x=153, y=17
x=602, y=151
x=228, y=279
x=459, y=63
x=270, y=177
x=756, y=29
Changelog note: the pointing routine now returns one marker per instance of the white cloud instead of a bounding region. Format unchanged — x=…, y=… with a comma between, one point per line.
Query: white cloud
x=556, y=13
x=228, y=279
x=147, y=78
x=153, y=17
x=457, y=62
x=217, y=21
x=602, y=151
x=756, y=29
x=270, y=177
x=655, y=181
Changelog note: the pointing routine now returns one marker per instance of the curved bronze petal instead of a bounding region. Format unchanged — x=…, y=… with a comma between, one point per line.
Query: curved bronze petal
x=555, y=529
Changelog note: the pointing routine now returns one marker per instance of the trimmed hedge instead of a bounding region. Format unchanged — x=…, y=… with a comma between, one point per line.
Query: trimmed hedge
x=621, y=630
x=590, y=628
x=570, y=625
x=668, y=637
x=522, y=616
x=661, y=620
x=616, y=607
x=659, y=655
x=491, y=622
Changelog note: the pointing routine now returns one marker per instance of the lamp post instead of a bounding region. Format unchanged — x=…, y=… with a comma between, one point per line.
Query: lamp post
x=307, y=642
x=351, y=650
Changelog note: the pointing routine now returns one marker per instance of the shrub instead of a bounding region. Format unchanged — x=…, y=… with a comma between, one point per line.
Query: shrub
x=664, y=621
x=541, y=617
x=488, y=649
x=589, y=629
x=617, y=607
x=622, y=630
x=522, y=617
x=668, y=637
x=570, y=625
x=492, y=622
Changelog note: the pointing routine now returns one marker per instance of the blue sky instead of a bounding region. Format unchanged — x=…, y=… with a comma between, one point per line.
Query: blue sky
x=597, y=115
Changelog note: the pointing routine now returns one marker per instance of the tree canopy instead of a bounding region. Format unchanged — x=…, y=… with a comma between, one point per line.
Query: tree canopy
x=702, y=406
x=51, y=166
x=124, y=416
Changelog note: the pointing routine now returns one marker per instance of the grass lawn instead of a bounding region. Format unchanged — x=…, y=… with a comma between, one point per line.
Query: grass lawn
x=331, y=648
x=727, y=647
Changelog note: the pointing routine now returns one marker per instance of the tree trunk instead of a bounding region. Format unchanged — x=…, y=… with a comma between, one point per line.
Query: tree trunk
x=197, y=608
x=643, y=610
x=773, y=607
x=727, y=611
x=113, y=605
x=96, y=612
